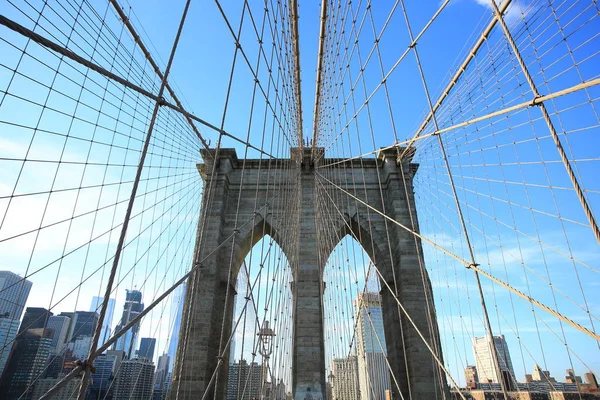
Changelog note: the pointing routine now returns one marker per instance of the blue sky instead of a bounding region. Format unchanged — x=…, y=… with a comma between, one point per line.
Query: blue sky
x=525, y=223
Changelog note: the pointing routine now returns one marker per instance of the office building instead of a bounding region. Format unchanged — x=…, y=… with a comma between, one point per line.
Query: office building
x=146, y=349
x=8, y=332
x=65, y=393
x=484, y=360
x=69, y=315
x=177, y=311
x=107, y=365
x=35, y=318
x=344, y=385
x=27, y=362
x=60, y=324
x=59, y=363
x=373, y=372
x=80, y=347
x=132, y=308
x=134, y=381
x=83, y=323
x=160, y=377
x=14, y=292
x=108, y=317
x=244, y=379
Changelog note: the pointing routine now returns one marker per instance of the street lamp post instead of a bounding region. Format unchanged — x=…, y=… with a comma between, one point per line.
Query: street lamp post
x=265, y=337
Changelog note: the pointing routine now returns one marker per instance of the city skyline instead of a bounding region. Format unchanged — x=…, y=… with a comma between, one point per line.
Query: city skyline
x=177, y=305
x=84, y=327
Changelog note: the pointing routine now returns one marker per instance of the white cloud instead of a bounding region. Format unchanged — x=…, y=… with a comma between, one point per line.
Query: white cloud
x=517, y=10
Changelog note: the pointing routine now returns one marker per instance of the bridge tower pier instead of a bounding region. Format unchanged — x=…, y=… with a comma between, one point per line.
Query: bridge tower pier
x=247, y=199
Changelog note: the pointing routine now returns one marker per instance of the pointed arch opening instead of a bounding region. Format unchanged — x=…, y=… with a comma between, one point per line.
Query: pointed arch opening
x=259, y=353
x=355, y=343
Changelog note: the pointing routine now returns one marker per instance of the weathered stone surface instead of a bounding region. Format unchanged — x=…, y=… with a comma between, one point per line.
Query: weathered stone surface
x=234, y=204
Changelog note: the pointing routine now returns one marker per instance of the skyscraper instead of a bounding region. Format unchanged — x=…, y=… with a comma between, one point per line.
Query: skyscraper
x=35, y=318
x=80, y=347
x=60, y=324
x=345, y=378
x=82, y=324
x=132, y=308
x=134, y=381
x=373, y=373
x=14, y=292
x=177, y=310
x=484, y=359
x=26, y=363
x=108, y=318
x=160, y=377
x=107, y=365
x=146, y=349
x=8, y=333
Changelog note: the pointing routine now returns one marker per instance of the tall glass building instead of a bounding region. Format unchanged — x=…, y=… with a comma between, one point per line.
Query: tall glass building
x=8, y=333
x=108, y=318
x=14, y=292
x=373, y=372
x=132, y=308
x=177, y=310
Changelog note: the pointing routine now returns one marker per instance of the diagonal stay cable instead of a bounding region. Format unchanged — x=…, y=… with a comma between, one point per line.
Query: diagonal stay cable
x=75, y=57
x=197, y=267
x=559, y=147
x=140, y=43
x=471, y=266
x=482, y=39
x=88, y=364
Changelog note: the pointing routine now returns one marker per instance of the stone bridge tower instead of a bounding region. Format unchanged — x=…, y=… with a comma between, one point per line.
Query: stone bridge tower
x=234, y=218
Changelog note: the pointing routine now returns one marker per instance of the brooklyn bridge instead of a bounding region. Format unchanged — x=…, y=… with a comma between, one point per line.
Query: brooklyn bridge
x=279, y=199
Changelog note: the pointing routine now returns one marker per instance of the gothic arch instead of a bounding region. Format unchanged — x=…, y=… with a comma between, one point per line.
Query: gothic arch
x=250, y=235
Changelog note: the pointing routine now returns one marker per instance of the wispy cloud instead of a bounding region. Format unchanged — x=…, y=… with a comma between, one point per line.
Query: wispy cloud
x=517, y=10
